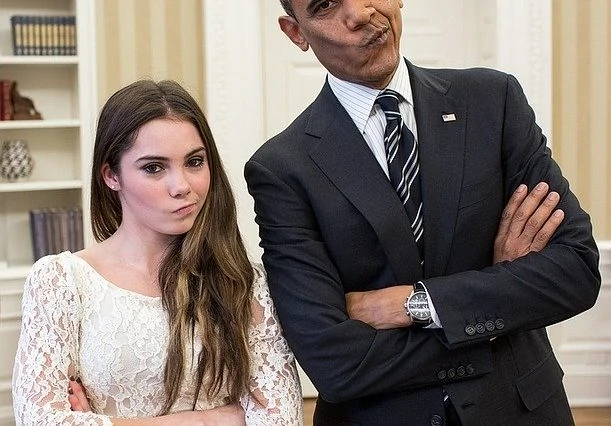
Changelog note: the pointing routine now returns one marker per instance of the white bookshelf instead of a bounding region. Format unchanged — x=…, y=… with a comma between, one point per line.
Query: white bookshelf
x=63, y=89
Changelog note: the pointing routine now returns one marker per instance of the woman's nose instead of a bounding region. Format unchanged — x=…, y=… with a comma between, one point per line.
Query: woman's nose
x=178, y=185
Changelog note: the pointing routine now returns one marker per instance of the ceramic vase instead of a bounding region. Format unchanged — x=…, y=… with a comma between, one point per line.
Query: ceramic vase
x=16, y=162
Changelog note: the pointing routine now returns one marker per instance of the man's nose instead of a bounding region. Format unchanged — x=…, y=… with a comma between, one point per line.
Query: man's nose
x=358, y=12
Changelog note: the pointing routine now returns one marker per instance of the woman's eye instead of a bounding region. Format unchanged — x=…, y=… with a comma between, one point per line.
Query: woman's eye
x=195, y=162
x=152, y=168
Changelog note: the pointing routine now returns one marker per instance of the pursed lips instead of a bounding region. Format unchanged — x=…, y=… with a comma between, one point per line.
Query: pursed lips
x=185, y=208
x=379, y=35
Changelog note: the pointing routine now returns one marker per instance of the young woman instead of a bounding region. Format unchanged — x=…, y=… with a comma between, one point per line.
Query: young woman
x=164, y=320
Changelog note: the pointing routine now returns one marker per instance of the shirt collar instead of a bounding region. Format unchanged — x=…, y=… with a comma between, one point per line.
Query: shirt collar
x=358, y=100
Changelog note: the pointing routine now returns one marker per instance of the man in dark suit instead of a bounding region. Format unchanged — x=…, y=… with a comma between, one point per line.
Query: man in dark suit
x=392, y=332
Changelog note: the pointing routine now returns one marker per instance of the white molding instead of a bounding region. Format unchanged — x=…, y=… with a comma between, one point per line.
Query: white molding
x=524, y=48
x=234, y=94
x=587, y=360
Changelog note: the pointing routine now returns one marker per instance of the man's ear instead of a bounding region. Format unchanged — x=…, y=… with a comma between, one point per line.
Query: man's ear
x=290, y=27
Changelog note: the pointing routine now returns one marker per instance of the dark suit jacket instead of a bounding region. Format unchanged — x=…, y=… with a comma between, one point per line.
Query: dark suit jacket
x=331, y=223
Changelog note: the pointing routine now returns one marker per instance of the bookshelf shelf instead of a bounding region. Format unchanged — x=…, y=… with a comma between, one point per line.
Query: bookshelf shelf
x=40, y=186
x=18, y=272
x=39, y=124
x=39, y=60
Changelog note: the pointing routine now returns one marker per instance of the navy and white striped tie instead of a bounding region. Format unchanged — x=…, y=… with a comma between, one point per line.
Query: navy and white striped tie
x=403, y=166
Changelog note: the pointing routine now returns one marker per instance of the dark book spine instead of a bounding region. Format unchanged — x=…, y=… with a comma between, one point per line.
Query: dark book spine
x=72, y=28
x=39, y=233
x=80, y=240
x=64, y=230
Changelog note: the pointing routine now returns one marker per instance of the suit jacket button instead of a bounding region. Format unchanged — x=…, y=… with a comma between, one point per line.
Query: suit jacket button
x=490, y=325
x=441, y=375
x=436, y=420
x=451, y=373
x=480, y=328
x=470, y=369
x=470, y=330
x=460, y=371
x=500, y=324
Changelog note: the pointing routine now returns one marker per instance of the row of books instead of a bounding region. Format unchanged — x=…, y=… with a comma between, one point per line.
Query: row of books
x=6, y=100
x=43, y=35
x=55, y=230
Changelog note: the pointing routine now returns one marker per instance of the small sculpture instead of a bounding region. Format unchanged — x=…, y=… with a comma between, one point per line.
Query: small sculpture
x=16, y=162
x=23, y=107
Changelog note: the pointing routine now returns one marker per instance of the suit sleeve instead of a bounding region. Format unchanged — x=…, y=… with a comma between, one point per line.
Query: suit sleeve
x=345, y=359
x=541, y=288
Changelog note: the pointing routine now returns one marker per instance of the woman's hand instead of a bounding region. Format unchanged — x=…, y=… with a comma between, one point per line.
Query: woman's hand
x=77, y=396
x=226, y=415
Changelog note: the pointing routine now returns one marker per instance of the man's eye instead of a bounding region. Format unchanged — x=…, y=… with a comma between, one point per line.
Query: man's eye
x=323, y=6
x=152, y=168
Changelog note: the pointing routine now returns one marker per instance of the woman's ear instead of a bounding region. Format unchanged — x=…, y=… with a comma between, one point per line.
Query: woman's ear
x=110, y=177
x=291, y=28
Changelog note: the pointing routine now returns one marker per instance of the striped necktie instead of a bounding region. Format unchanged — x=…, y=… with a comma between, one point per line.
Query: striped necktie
x=403, y=167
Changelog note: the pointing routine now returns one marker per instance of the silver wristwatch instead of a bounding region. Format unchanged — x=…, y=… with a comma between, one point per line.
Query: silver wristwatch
x=417, y=306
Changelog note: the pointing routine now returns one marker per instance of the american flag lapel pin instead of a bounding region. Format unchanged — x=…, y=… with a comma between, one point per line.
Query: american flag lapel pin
x=448, y=117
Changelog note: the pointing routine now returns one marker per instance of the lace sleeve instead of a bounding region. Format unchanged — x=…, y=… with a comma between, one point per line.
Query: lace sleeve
x=47, y=349
x=275, y=382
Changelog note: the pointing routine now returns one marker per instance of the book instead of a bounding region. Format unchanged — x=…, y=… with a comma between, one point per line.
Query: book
x=17, y=34
x=54, y=230
x=6, y=100
x=38, y=233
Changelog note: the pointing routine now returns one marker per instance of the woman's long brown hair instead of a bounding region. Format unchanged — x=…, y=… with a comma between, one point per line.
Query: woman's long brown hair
x=205, y=275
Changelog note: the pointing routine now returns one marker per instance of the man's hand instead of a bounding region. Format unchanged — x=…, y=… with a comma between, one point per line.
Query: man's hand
x=528, y=222
x=382, y=309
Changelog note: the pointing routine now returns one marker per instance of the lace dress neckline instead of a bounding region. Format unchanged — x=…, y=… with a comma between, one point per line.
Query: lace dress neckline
x=106, y=281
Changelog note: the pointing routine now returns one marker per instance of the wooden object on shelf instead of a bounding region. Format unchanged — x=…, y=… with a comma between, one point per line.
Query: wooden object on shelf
x=23, y=107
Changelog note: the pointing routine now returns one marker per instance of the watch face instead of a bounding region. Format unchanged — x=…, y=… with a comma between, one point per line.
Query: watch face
x=418, y=306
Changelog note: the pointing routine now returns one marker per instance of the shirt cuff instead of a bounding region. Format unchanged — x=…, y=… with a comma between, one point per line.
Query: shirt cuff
x=436, y=321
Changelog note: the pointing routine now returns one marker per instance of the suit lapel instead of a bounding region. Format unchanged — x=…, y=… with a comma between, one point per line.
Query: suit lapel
x=344, y=157
x=441, y=150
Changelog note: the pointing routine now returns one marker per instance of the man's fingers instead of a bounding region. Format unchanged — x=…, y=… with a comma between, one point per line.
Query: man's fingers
x=539, y=218
x=547, y=230
x=510, y=209
x=527, y=208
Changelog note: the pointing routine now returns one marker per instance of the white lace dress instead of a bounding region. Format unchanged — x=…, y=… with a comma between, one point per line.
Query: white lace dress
x=76, y=323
